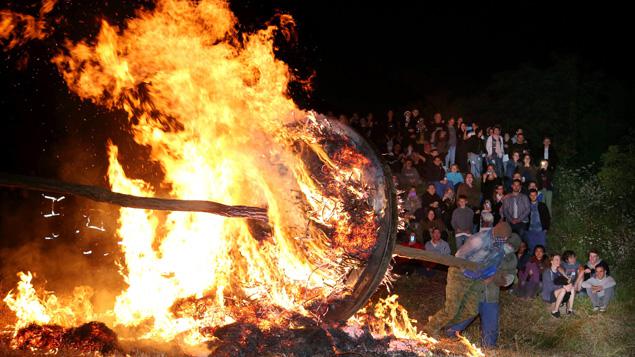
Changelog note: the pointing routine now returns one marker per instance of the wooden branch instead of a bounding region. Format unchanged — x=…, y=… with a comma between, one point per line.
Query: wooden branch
x=101, y=194
x=426, y=255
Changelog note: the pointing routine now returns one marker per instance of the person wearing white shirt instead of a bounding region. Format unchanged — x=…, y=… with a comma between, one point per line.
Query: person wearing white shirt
x=600, y=288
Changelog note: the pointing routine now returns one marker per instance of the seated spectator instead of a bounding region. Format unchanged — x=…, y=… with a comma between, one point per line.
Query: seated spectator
x=443, y=185
x=436, y=172
x=593, y=263
x=556, y=288
x=412, y=202
x=409, y=175
x=529, y=278
x=570, y=265
x=600, y=289
x=462, y=221
x=469, y=190
x=429, y=199
x=429, y=223
x=454, y=175
x=522, y=256
x=436, y=244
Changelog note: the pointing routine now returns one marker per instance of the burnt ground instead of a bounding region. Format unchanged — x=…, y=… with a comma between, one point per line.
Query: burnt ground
x=421, y=295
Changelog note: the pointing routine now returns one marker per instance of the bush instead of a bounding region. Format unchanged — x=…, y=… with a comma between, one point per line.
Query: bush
x=591, y=211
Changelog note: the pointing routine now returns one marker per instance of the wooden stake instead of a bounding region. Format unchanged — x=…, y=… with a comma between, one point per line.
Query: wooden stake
x=426, y=255
x=101, y=194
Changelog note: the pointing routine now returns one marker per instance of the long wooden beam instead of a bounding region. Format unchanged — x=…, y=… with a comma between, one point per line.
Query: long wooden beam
x=101, y=194
x=426, y=255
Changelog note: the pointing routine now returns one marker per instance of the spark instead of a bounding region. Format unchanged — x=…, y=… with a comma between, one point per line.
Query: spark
x=53, y=236
x=88, y=252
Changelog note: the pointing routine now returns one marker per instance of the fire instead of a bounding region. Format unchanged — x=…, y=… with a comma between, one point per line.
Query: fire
x=212, y=105
x=389, y=318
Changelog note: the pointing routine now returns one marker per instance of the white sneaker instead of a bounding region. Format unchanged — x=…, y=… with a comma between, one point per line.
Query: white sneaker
x=596, y=308
x=602, y=308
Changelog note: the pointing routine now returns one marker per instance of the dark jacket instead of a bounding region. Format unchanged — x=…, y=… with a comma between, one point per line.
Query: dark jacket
x=545, y=217
x=544, y=179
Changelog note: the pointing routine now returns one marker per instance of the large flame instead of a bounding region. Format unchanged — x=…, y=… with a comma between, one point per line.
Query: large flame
x=212, y=106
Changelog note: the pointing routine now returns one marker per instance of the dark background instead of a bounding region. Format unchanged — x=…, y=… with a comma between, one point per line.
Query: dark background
x=563, y=69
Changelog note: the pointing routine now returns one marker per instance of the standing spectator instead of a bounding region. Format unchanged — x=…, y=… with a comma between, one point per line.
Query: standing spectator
x=497, y=202
x=544, y=179
x=469, y=190
x=448, y=205
x=600, y=289
x=520, y=145
x=441, y=142
x=475, y=149
x=516, y=209
x=436, y=244
x=527, y=170
x=489, y=181
x=409, y=128
x=437, y=124
x=452, y=142
x=507, y=142
x=511, y=167
x=548, y=153
x=462, y=221
x=495, y=150
x=539, y=221
x=556, y=288
x=462, y=147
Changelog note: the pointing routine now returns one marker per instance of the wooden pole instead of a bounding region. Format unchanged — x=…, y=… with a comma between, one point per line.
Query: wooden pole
x=101, y=194
x=426, y=255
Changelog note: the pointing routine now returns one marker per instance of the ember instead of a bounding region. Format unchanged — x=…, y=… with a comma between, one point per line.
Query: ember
x=89, y=337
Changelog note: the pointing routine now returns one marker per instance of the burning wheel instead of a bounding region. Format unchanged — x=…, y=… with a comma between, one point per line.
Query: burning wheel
x=366, y=277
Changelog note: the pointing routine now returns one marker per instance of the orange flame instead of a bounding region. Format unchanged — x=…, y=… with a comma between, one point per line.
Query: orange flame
x=213, y=108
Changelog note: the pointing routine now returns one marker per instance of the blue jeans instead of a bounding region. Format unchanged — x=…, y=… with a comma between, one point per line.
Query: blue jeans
x=476, y=164
x=534, y=238
x=450, y=158
x=489, y=312
x=498, y=164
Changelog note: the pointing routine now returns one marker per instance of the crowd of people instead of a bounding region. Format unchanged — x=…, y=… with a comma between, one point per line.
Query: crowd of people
x=451, y=174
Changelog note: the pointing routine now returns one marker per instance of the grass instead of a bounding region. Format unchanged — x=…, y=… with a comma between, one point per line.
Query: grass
x=527, y=328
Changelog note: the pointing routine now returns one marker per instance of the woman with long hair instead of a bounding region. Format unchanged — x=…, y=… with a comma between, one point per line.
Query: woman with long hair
x=529, y=279
x=557, y=288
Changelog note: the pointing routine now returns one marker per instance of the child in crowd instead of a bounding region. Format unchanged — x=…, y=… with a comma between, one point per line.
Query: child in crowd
x=454, y=175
